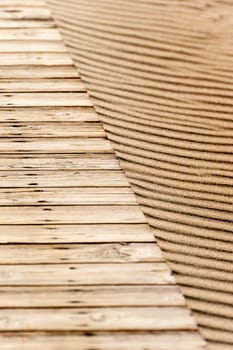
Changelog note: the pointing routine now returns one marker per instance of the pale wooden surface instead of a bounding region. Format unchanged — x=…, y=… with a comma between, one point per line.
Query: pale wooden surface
x=79, y=267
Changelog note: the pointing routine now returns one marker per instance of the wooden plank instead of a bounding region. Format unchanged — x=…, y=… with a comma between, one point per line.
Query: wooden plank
x=71, y=215
x=59, y=162
x=55, y=145
x=65, y=178
x=22, y=3
x=48, y=114
x=38, y=72
x=86, y=274
x=17, y=23
x=45, y=99
x=105, y=341
x=31, y=45
x=40, y=58
x=79, y=253
x=94, y=233
x=50, y=84
x=68, y=196
x=22, y=13
x=90, y=296
x=52, y=129
x=30, y=34
x=96, y=319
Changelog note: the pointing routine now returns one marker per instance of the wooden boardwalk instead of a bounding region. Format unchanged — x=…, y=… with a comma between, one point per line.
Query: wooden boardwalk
x=80, y=268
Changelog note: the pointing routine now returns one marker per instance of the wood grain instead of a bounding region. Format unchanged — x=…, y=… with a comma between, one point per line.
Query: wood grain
x=75, y=233
x=96, y=319
x=107, y=341
x=90, y=296
x=37, y=59
x=23, y=3
x=26, y=99
x=79, y=253
x=58, y=162
x=17, y=23
x=86, y=274
x=56, y=145
x=47, y=84
x=72, y=214
x=75, y=129
x=48, y=114
x=37, y=71
x=22, y=13
x=63, y=178
x=68, y=196
x=31, y=34
x=30, y=45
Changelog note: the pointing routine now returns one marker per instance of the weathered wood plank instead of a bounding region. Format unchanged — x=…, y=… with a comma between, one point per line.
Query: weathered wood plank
x=65, y=178
x=94, y=233
x=48, y=114
x=20, y=12
x=38, y=71
x=79, y=253
x=59, y=162
x=58, y=85
x=86, y=274
x=31, y=34
x=52, y=129
x=31, y=45
x=22, y=3
x=106, y=341
x=55, y=145
x=68, y=196
x=83, y=296
x=98, y=319
x=45, y=99
x=40, y=58
x=71, y=215
x=18, y=23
